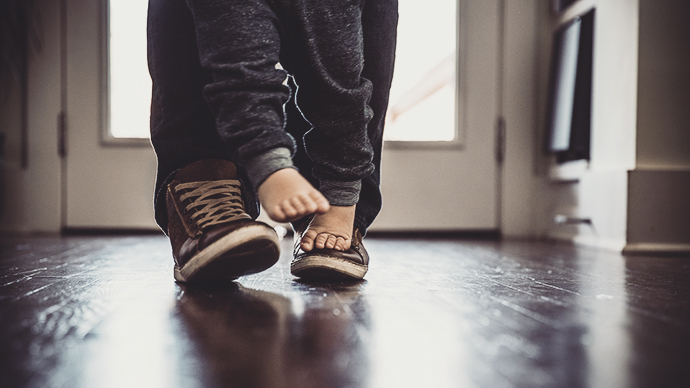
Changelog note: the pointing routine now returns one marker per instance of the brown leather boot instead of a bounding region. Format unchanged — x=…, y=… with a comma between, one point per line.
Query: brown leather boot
x=212, y=237
x=328, y=264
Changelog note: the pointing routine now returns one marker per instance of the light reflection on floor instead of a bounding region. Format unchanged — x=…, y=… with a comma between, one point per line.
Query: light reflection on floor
x=435, y=313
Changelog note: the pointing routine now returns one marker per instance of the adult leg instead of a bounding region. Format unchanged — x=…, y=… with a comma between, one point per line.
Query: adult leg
x=217, y=98
x=183, y=128
x=200, y=203
x=379, y=26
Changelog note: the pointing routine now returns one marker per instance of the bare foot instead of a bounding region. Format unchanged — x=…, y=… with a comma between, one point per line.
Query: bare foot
x=287, y=196
x=332, y=230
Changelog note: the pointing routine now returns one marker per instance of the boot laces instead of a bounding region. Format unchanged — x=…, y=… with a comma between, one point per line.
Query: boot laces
x=212, y=202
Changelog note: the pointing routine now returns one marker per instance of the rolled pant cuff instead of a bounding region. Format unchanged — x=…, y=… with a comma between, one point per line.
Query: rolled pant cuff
x=340, y=193
x=263, y=165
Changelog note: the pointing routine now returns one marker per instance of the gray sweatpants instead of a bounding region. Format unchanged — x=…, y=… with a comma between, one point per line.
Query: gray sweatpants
x=319, y=43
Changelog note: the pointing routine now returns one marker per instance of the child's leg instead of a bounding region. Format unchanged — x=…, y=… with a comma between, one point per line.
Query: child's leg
x=325, y=55
x=239, y=44
x=379, y=23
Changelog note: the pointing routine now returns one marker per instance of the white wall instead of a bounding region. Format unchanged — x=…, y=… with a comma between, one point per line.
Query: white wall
x=635, y=188
x=663, y=132
x=659, y=186
x=600, y=192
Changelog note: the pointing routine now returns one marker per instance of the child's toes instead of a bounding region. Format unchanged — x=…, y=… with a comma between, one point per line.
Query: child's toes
x=307, y=245
x=299, y=207
x=309, y=204
x=307, y=242
x=342, y=244
x=330, y=242
x=276, y=213
x=321, y=202
x=320, y=241
x=288, y=210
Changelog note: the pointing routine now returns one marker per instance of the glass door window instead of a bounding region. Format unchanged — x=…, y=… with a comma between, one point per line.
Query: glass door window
x=129, y=83
x=423, y=95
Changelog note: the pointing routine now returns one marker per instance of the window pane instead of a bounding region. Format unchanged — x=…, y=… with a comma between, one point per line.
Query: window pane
x=130, y=84
x=422, y=103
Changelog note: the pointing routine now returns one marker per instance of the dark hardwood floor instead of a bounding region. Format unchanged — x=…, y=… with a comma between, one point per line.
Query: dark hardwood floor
x=105, y=312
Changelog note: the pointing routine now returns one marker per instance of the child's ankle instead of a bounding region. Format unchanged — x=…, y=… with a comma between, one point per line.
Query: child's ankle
x=260, y=167
x=340, y=193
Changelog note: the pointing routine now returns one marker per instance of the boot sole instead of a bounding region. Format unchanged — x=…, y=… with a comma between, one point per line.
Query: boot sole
x=315, y=266
x=245, y=251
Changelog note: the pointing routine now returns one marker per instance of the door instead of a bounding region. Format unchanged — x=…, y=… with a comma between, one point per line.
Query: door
x=449, y=185
x=109, y=182
x=427, y=185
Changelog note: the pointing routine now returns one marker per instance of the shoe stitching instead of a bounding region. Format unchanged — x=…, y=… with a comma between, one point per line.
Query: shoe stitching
x=212, y=202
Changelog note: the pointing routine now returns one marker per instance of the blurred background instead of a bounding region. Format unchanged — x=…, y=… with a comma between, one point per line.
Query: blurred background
x=524, y=118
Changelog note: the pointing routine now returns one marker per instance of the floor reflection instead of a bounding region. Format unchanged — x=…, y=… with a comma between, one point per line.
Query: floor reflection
x=104, y=312
x=522, y=326
x=604, y=312
x=251, y=338
x=659, y=321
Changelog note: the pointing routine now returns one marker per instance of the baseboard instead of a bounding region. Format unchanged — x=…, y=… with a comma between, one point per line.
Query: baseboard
x=607, y=244
x=657, y=249
x=604, y=244
x=658, y=210
x=488, y=234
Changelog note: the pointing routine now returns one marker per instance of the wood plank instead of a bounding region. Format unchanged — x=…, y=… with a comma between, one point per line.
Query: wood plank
x=441, y=312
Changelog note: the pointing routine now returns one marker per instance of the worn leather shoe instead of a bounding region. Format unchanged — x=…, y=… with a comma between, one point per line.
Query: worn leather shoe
x=212, y=236
x=329, y=264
